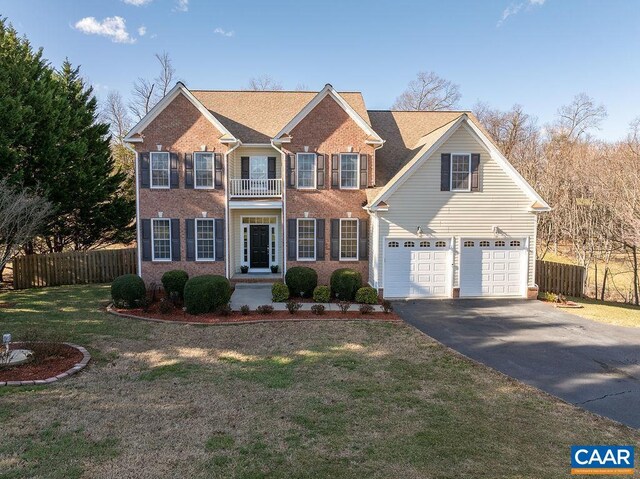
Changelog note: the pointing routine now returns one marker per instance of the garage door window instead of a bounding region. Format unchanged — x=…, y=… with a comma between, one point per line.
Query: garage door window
x=393, y=244
x=425, y=244
x=499, y=244
x=441, y=244
x=469, y=244
x=515, y=243
x=409, y=244
x=484, y=244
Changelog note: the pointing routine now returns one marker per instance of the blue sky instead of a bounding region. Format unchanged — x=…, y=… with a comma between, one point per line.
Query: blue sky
x=541, y=55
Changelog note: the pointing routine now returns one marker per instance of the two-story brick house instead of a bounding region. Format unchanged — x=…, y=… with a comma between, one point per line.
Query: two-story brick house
x=421, y=203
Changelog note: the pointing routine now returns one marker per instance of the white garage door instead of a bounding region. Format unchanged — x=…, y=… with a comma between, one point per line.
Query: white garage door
x=417, y=268
x=492, y=267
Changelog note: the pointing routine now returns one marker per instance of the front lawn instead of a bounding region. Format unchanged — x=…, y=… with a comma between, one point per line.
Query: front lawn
x=620, y=314
x=274, y=400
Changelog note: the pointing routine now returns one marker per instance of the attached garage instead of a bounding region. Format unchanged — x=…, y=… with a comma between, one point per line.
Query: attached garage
x=493, y=267
x=417, y=268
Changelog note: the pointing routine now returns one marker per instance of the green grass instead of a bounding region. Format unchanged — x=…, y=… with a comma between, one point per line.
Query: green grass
x=619, y=314
x=277, y=400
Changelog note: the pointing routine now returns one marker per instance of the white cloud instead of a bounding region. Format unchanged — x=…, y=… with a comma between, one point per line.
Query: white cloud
x=223, y=32
x=142, y=31
x=182, y=5
x=111, y=27
x=516, y=8
x=137, y=3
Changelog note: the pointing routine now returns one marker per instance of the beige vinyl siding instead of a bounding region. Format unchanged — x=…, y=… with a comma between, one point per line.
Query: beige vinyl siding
x=419, y=202
x=235, y=235
x=235, y=166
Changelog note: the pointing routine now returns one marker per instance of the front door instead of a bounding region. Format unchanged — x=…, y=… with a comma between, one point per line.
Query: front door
x=259, y=239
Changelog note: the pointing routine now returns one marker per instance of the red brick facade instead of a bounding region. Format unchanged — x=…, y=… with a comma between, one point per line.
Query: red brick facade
x=328, y=130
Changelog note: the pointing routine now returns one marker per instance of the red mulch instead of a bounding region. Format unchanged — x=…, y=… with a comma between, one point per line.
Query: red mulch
x=237, y=317
x=47, y=368
x=7, y=305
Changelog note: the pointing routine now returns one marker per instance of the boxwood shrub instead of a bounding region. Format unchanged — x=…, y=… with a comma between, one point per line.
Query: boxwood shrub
x=322, y=294
x=279, y=292
x=207, y=293
x=174, y=281
x=301, y=280
x=127, y=289
x=367, y=295
x=344, y=283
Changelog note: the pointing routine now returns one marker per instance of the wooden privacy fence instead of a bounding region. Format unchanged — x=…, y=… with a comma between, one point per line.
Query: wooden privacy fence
x=76, y=267
x=560, y=278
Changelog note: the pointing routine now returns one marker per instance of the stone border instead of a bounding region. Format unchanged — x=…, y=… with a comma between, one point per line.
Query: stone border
x=110, y=310
x=86, y=357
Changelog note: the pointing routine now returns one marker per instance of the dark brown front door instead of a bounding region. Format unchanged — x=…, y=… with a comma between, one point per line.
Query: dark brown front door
x=259, y=238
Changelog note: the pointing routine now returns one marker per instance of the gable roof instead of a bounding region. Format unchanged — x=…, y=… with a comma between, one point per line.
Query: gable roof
x=258, y=116
x=135, y=134
x=427, y=144
x=322, y=94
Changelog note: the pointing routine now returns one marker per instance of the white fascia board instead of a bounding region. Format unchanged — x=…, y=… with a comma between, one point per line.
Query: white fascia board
x=328, y=90
x=164, y=102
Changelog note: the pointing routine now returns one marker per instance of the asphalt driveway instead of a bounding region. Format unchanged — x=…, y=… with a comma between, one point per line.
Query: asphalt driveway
x=593, y=365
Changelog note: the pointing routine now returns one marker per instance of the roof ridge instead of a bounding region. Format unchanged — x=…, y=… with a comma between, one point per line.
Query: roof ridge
x=422, y=111
x=267, y=91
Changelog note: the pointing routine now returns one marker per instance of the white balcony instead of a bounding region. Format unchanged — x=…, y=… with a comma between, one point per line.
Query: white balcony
x=255, y=188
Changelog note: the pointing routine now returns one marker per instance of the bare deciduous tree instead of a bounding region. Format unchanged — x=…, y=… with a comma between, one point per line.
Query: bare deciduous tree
x=116, y=114
x=143, y=97
x=263, y=83
x=428, y=92
x=167, y=73
x=22, y=215
x=578, y=117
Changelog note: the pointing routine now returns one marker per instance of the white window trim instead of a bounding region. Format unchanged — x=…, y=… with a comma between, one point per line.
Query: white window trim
x=259, y=157
x=153, y=242
x=315, y=172
x=357, y=187
x=195, y=238
x=213, y=171
x=357, y=240
x=151, y=185
x=451, y=173
x=315, y=236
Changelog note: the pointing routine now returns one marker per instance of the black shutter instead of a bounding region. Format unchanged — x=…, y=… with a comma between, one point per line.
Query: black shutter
x=217, y=160
x=146, y=239
x=292, y=239
x=335, y=171
x=335, y=240
x=145, y=174
x=363, y=241
x=364, y=171
x=188, y=170
x=445, y=172
x=219, y=227
x=173, y=159
x=190, y=228
x=320, y=240
x=320, y=172
x=475, y=167
x=175, y=240
x=291, y=170
x=271, y=168
x=244, y=167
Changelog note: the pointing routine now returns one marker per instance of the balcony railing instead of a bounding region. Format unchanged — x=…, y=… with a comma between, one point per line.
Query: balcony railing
x=255, y=188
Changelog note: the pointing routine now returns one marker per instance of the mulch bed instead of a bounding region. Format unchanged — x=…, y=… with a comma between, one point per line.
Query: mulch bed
x=237, y=317
x=49, y=367
x=6, y=305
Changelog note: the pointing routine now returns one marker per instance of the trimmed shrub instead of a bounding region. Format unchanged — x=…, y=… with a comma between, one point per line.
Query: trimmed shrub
x=301, y=280
x=225, y=310
x=344, y=306
x=317, y=309
x=203, y=294
x=165, y=306
x=367, y=295
x=344, y=283
x=293, y=306
x=173, y=282
x=265, y=309
x=322, y=294
x=245, y=309
x=386, y=306
x=279, y=292
x=127, y=290
x=366, y=309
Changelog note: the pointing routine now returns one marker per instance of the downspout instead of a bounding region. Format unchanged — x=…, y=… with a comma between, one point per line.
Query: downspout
x=138, y=242
x=284, y=206
x=227, y=216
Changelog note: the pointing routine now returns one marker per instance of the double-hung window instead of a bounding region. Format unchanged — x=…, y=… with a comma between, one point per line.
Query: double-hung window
x=349, y=170
x=205, y=239
x=460, y=172
x=161, y=239
x=159, y=169
x=306, y=239
x=348, y=239
x=306, y=170
x=203, y=164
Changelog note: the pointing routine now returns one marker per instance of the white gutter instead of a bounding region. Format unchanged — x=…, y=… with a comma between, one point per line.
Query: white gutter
x=227, y=218
x=138, y=235
x=283, y=169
